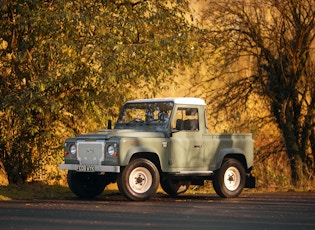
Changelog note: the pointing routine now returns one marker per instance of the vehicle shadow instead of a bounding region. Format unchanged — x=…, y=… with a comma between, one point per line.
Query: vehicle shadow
x=159, y=197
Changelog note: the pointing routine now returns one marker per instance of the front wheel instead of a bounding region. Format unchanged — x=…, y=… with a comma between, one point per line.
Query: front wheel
x=86, y=185
x=229, y=180
x=139, y=180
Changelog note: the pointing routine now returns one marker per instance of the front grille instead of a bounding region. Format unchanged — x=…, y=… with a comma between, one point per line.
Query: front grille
x=90, y=153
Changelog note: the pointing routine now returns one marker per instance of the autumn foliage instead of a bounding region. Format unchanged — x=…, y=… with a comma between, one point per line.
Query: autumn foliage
x=66, y=67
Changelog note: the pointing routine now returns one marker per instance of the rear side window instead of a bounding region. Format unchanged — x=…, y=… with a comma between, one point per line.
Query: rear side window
x=186, y=119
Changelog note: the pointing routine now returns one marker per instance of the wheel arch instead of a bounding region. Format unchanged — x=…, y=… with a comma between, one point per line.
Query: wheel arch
x=234, y=153
x=151, y=156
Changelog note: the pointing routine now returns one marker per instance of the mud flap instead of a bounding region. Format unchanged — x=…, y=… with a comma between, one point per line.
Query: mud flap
x=250, y=181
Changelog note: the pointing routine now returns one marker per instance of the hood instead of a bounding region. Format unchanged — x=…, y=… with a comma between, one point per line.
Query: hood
x=109, y=133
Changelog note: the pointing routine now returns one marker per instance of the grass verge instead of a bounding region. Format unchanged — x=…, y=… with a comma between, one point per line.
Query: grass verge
x=37, y=190
x=30, y=191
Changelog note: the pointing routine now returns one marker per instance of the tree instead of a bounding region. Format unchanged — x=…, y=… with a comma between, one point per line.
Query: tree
x=276, y=38
x=65, y=66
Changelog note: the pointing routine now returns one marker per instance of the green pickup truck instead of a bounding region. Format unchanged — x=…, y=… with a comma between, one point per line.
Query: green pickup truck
x=159, y=141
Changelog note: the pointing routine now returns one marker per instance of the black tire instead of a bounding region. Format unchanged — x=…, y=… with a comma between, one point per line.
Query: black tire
x=139, y=180
x=229, y=180
x=174, y=187
x=86, y=185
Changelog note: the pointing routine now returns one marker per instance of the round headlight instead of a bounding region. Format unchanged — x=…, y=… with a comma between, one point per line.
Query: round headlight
x=110, y=150
x=73, y=149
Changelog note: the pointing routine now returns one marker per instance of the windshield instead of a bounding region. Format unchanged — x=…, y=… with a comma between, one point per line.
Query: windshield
x=145, y=114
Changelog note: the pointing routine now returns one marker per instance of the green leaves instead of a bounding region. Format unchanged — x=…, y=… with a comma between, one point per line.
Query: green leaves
x=69, y=65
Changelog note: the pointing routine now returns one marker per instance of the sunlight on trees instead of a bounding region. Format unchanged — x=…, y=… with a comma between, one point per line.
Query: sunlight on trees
x=67, y=66
x=277, y=40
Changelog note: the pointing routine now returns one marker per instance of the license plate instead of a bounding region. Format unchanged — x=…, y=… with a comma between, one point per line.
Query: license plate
x=86, y=168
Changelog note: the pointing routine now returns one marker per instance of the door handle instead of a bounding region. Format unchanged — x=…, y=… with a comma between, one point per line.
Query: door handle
x=197, y=146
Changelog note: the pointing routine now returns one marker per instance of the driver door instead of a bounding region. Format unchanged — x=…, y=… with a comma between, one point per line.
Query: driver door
x=186, y=141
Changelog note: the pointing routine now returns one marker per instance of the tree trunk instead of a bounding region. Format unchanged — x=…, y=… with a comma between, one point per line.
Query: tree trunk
x=296, y=162
x=295, y=149
x=312, y=142
x=297, y=175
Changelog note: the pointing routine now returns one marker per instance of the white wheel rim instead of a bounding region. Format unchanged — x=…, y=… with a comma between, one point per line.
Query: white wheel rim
x=232, y=178
x=140, y=180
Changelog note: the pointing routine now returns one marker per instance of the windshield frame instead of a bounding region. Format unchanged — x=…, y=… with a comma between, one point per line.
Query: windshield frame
x=155, y=115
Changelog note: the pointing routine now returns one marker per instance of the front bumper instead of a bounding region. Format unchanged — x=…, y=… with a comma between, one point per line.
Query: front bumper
x=97, y=168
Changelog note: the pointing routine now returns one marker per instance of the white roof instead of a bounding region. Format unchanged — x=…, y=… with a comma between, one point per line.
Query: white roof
x=176, y=100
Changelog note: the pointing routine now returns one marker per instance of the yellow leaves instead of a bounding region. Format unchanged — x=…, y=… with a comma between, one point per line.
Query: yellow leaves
x=67, y=114
x=68, y=50
x=3, y=44
x=41, y=87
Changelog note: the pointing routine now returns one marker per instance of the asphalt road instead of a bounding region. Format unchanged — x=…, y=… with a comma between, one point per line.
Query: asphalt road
x=250, y=211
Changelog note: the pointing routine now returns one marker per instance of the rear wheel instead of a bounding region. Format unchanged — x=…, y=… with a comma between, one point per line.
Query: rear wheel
x=139, y=180
x=87, y=185
x=230, y=179
x=174, y=187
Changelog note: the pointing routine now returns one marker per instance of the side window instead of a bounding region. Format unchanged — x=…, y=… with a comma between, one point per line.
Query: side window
x=186, y=119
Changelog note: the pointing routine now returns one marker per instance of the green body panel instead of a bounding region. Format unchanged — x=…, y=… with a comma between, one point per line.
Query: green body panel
x=176, y=150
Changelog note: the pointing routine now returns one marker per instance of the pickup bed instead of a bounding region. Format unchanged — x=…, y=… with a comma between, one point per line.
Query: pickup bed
x=159, y=141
